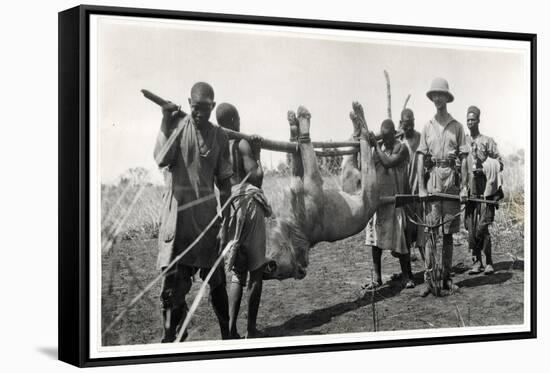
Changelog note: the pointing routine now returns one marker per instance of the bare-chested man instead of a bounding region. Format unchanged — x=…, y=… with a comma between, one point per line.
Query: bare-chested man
x=247, y=222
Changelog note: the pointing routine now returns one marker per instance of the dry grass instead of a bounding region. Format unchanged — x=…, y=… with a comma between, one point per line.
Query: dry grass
x=143, y=221
x=513, y=180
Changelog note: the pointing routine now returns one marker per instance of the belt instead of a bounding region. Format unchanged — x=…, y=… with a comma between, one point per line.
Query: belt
x=444, y=162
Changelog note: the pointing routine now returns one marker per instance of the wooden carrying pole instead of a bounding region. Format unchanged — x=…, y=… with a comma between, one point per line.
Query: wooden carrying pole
x=328, y=148
x=291, y=147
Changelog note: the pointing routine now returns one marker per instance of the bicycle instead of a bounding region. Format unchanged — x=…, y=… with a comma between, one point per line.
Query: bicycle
x=435, y=276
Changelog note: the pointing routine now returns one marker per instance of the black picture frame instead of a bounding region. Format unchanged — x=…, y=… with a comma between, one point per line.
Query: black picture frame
x=74, y=193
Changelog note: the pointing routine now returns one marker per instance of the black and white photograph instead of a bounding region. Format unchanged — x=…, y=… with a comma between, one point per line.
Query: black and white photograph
x=259, y=186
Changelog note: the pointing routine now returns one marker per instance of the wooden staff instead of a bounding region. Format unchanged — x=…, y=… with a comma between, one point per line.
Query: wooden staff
x=406, y=101
x=388, y=92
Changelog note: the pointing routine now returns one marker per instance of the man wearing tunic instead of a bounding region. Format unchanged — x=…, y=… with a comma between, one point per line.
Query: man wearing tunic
x=414, y=233
x=386, y=230
x=196, y=155
x=442, y=138
x=484, y=167
x=246, y=222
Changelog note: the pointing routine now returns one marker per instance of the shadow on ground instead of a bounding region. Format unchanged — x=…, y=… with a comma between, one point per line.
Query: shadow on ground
x=301, y=323
x=500, y=276
x=298, y=324
x=480, y=280
x=509, y=265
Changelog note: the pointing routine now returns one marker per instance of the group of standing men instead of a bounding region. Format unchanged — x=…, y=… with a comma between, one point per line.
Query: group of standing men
x=440, y=159
x=198, y=155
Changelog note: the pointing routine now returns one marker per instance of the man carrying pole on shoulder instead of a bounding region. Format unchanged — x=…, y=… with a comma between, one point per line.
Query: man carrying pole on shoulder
x=246, y=225
x=196, y=154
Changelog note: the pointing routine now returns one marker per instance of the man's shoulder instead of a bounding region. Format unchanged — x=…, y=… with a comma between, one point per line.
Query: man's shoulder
x=219, y=132
x=482, y=139
x=415, y=140
x=429, y=122
x=182, y=124
x=486, y=138
x=427, y=125
x=244, y=145
x=455, y=127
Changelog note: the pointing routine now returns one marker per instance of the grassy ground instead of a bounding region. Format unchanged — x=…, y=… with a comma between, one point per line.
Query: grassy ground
x=330, y=299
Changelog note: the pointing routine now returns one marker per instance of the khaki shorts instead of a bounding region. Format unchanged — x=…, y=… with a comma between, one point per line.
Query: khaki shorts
x=444, y=211
x=442, y=179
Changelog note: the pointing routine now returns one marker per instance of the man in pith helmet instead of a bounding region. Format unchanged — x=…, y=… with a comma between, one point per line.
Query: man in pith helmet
x=444, y=139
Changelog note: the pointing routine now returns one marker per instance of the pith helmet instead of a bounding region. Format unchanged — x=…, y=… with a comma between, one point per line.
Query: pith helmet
x=440, y=85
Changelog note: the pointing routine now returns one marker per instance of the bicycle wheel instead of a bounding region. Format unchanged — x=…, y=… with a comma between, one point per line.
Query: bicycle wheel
x=434, y=267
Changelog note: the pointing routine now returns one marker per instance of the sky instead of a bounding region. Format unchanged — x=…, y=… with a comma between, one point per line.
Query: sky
x=265, y=73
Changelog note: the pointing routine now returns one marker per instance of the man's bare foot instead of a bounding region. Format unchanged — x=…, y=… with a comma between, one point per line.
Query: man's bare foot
x=489, y=270
x=293, y=123
x=408, y=284
x=254, y=333
x=373, y=285
x=360, y=114
x=356, y=125
x=396, y=276
x=304, y=117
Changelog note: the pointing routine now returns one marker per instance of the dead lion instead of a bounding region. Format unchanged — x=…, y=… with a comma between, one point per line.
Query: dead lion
x=318, y=214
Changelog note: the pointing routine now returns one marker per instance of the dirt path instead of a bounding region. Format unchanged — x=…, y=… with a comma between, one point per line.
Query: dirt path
x=328, y=300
